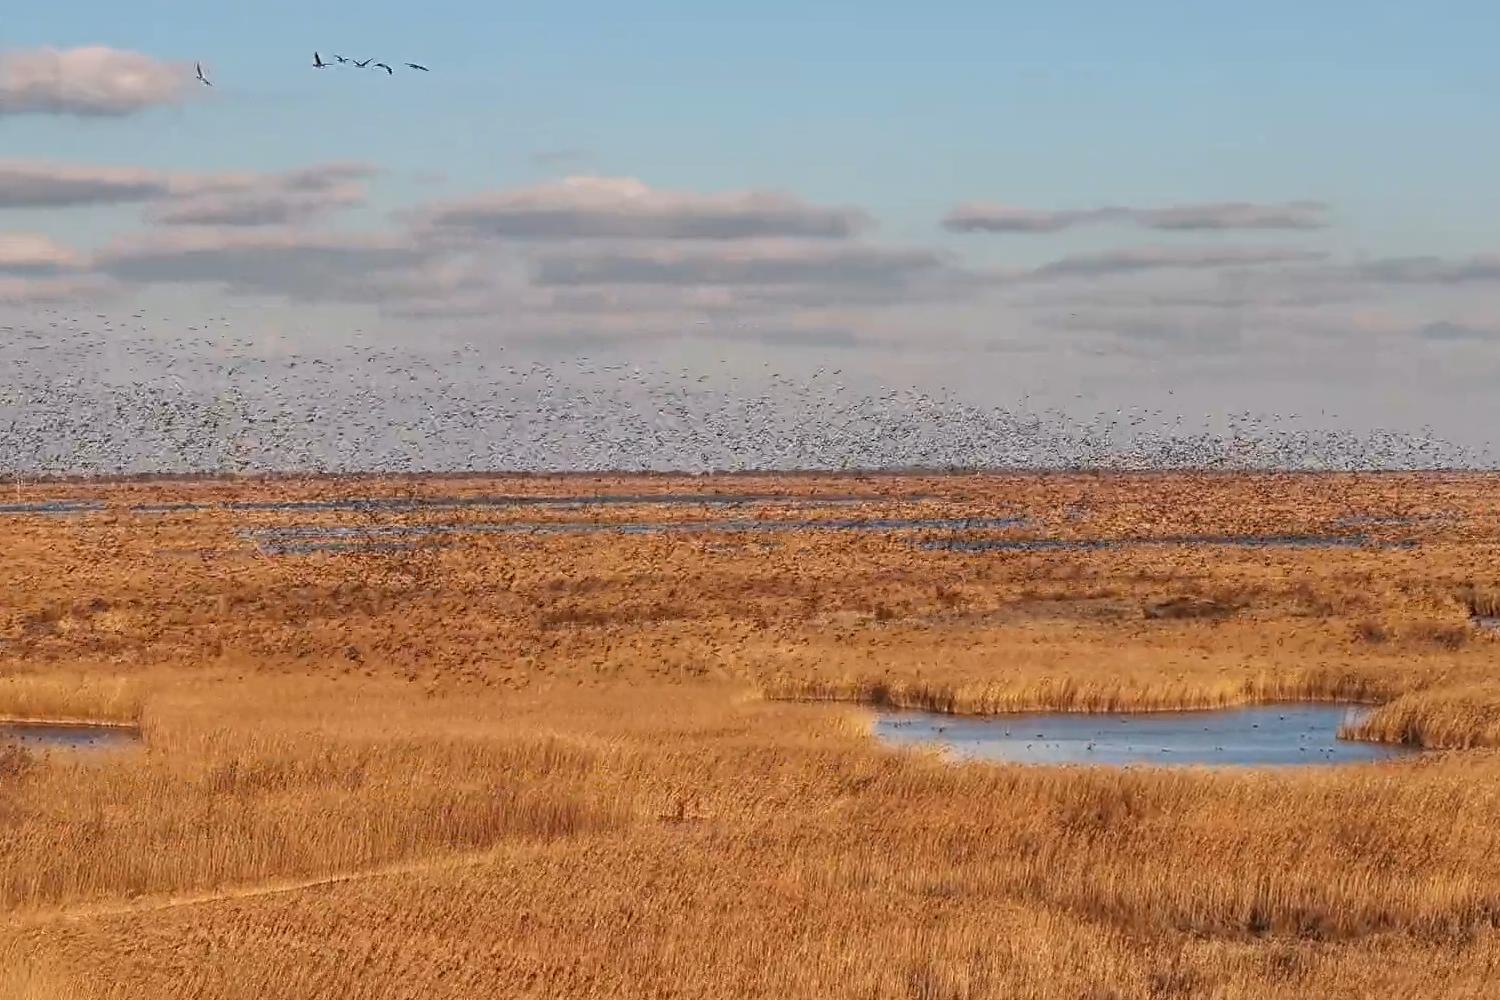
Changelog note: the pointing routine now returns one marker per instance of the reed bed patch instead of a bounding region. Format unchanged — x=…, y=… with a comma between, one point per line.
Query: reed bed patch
x=1480, y=600
x=80, y=698
x=1070, y=694
x=285, y=807
x=1451, y=718
x=564, y=766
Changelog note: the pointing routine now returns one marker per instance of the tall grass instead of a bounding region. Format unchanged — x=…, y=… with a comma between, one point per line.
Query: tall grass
x=1070, y=694
x=1480, y=600
x=560, y=766
x=277, y=808
x=1452, y=718
x=79, y=698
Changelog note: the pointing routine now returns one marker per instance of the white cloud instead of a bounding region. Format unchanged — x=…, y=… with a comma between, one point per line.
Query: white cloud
x=625, y=208
x=297, y=264
x=1135, y=259
x=243, y=196
x=31, y=253
x=738, y=264
x=34, y=291
x=258, y=208
x=40, y=184
x=1236, y=215
x=1433, y=270
x=94, y=82
x=978, y=217
x=982, y=217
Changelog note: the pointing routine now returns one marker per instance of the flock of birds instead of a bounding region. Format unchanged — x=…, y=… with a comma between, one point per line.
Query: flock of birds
x=338, y=60
x=102, y=395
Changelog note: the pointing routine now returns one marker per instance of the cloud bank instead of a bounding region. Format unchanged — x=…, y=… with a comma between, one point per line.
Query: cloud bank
x=223, y=199
x=90, y=82
x=33, y=254
x=626, y=208
x=592, y=259
x=981, y=217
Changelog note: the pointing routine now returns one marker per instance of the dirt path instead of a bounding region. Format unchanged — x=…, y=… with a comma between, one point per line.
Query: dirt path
x=150, y=904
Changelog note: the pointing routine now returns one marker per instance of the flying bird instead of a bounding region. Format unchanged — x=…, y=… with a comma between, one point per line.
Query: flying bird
x=339, y=58
x=424, y=69
x=201, y=78
x=388, y=70
x=362, y=65
x=318, y=61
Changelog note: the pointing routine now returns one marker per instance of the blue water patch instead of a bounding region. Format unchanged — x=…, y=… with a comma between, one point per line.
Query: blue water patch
x=52, y=507
x=410, y=504
x=1254, y=736
x=284, y=539
x=1085, y=544
x=47, y=736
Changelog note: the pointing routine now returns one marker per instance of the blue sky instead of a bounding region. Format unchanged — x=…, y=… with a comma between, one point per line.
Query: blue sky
x=1384, y=108
x=1384, y=111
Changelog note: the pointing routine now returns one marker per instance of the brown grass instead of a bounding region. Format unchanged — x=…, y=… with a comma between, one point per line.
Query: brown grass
x=563, y=766
x=80, y=698
x=1480, y=600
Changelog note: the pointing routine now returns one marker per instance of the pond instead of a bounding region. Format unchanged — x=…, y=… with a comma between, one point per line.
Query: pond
x=1254, y=736
x=49, y=736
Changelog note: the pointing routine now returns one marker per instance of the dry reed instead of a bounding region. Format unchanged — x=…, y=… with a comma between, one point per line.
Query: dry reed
x=85, y=699
x=557, y=767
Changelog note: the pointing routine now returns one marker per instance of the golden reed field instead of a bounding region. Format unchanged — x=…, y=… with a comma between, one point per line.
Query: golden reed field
x=640, y=765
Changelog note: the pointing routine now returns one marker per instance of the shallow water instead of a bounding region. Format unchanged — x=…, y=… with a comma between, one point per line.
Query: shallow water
x=407, y=504
x=1082, y=544
x=52, y=507
x=299, y=539
x=1255, y=736
x=45, y=736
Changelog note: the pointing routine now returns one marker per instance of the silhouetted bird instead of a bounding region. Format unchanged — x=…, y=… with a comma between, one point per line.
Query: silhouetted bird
x=201, y=78
x=318, y=61
x=424, y=69
x=388, y=70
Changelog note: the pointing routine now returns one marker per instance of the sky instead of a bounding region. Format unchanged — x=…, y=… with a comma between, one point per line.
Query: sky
x=1279, y=207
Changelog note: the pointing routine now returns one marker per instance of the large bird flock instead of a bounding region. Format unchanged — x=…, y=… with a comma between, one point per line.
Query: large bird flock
x=318, y=63
x=92, y=396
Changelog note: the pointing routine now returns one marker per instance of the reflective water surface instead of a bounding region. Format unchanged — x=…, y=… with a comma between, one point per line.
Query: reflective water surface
x=45, y=736
x=302, y=539
x=51, y=507
x=1256, y=736
x=1084, y=544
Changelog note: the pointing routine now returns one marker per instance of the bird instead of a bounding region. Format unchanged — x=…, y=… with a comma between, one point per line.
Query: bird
x=318, y=61
x=201, y=78
x=362, y=65
x=387, y=69
x=339, y=58
x=424, y=69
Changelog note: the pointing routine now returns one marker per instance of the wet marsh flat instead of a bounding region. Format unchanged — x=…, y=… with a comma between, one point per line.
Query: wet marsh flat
x=628, y=764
